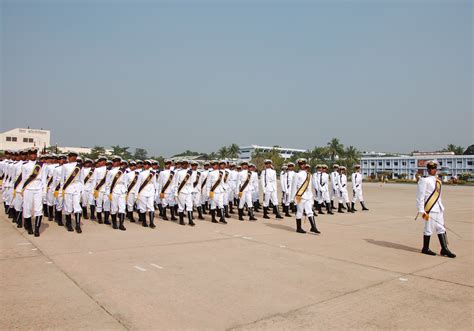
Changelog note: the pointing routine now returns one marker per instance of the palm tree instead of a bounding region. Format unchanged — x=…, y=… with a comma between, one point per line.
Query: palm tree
x=223, y=152
x=234, y=151
x=335, y=148
x=352, y=156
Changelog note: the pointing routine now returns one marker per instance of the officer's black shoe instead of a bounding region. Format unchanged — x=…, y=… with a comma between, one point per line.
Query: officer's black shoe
x=106, y=217
x=299, y=229
x=114, y=221
x=332, y=205
x=121, y=221
x=199, y=209
x=181, y=218
x=99, y=218
x=164, y=216
x=320, y=209
x=173, y=214
x=38, y=225
x=241, y=214
x=226, y=211
x=69, y=223
x=221, y=213
x=45, y=210
x=265, y=213
x=143, y=220
x=231, y=208
x=349, y=210
x=84, y=213
x=151, y=215
x=444, y=246
x=286, y=210
x=160, y=208
x=352, y=207
x=59, y=215
x=132, y=218
x=19, y=220
x=363, y=206
x=78, y=222
x=50, y=213
x=339, y=209
x=426, y=246
x=190, y=218
x=93, y=213
x=328, y=209
x=213, y=216
x=252, y=215
x=28, y=226
x=313, y=225
x=11, y=213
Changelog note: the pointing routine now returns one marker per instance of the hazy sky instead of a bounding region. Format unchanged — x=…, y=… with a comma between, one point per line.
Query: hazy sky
x=175, y=75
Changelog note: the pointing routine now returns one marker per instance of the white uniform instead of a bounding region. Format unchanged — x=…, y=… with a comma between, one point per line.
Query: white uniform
x=426, y=186
x=49, y=184
x=183, y=188
x=255, y=187
x=335, y=186
x=19, y=178
x=226, y=185
x=268, y=180
x=146, y=195
x=117, y=178
x=342, y=185
x=204, y=191
x=33, y=189
x=317, y=186
x=306, y=202
x=214, y=180
x=56, y=187
x=87, y=196
x=233, y=174
x=72, y=193
x=98, y=182
x=197, y=188
x=131, y=178
x=245, y=177
x=357, y=187
x=324, y=187
x=165, y=186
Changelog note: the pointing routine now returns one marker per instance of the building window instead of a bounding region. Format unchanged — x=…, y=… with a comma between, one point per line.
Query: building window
x=440, y=163
x=30, y=140
x=404, y=163
x=395, y=163
x=9, y=138
x=13, y=138
x=25, y=140
x=387, y=163
x=372, y=164
x=380, y=163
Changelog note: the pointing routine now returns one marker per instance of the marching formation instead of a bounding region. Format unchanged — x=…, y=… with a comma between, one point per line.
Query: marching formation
x=114, y=190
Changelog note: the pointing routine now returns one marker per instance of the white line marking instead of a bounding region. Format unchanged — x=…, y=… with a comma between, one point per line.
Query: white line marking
x=237, y=235
x=139, y=268
x=403, y=279
x=217, y=231
x=34, y=249
x=156, y=266
x=90, y=252
x=24, y=244
x=282, y=246
x=248, y=238
x=49, y=262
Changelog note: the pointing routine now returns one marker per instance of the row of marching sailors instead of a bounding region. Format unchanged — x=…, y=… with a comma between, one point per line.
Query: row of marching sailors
x=308, y=192
x=324, y=195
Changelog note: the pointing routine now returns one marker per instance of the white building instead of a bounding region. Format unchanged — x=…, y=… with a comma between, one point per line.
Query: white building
x=245, y=153
x=24, y=138
x=80, y=150
x=449, y=164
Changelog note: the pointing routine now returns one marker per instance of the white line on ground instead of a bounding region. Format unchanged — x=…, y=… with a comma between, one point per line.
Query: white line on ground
x=237, y=235
x=282, y=246
x=90, y=252
x=248, y=238
x=139, y=268
x=403, y=279
x=34, y=249
x=24, y=244
x=49, y=262
x=156, y=266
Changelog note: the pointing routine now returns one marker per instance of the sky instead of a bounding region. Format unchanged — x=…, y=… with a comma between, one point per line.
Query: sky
x=169, y=76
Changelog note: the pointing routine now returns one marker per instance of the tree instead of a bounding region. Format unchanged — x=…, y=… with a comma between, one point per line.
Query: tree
x=96, y=151
x=223, y=152
x=458, y=150
x=335, y=148
x=259, y=157
x=140, y=154
x=234, y=151
x=351, y=156
x=121, y=151
x=187, y=153
x=317, y=155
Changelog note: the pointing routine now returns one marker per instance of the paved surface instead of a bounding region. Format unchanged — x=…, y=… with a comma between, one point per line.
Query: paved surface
x=363, y=271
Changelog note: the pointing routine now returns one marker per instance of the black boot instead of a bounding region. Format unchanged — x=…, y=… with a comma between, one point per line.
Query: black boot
x=286, y=209
x=343, y=207
x=221, y=214
x=121, y=217
x=114, y=221
x=241, y=214
x=78, y=222
x=293, y=207
x=14, y=212
x=190, y=218
x=426, y=246
x=132, y=219
x=213, y=216
x=5, y=207
x=277, y=212
x=164, y=216
x=199, y=209
x=339, y=209
x=226, y=211
x=206, y=207
x=299, y=229
x=38, y=225
x=251, y=214
x=231, y=208
x=99, y=218
x=50, y=213
x=265, y=213
x=352, y=207
x=181, y=218
x=160, y=208
x=59, y=219
x=316, y=205
x=106, y=217
x=19, y=219
x=363, y=205
x=28, y=226
x=320, y=209
x=443, y=240
x=151, y=215
x=349, y=208
x=11, y=213
x=332, y=204
x=173, y=213
x=328, y=209
x=143, y=220
x=84, y=213
x=69, y=223
x=45, y=211
x=313, y=225
x=204, y=210
x=92, y=213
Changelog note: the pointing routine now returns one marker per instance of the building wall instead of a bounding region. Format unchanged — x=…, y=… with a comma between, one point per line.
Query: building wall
x=24, y=138
x=245, y=153
x=453, y=165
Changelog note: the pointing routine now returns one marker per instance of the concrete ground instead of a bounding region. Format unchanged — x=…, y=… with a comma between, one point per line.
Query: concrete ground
x=364, y=271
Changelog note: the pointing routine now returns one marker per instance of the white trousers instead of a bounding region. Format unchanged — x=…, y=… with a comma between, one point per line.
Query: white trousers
x=197, y=199
x=436, y=221
x=168, y=200
x=325, y=196
x=357, y=195
x=32, y=203
x=58, y=202
x=146, y=203
x=130, y=201
x=87, y=198
x=185, y=201
x=218, y=201
x=17, y=201
x=267, y=196
x=246, y=199
x=286, y=198
x=304, y=206
x=72, y=203
x=117, y=205
x=344, y=196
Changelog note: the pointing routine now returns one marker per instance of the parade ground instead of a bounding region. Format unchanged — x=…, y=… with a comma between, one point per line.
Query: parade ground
x=365, y=271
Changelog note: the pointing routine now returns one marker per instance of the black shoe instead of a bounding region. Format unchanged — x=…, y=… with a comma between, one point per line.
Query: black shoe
x=84, y=213
x=59, y=219
x=265, y=213
x=339, y=209
x=328, y=209
x=213, y=216
x=181, y=218
x=241, y=214
x=50, y=213
x=426, y=246
x=143, y=220
x=231, y=208
x=199, y=209
x=38, y=225
x=299, y=229
x=226, y=211
x=173, y=213
x=69, y=223
x=132, y=219
x=114, y=221
x=286, y=210
x=313, y=225
x=92, y=213
x=352, y=207
x=78, y=222
x=164, y=216
x=444, y=246
x=221, y=214
x=252, y=215
x=28, y=225
x=363, y=205
x=190, y=218
x=99, y=218
x=106, y=217
x=343, y=207
x=151, y=215
x=349, y=209
x=121, y=221
x=19, y=219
